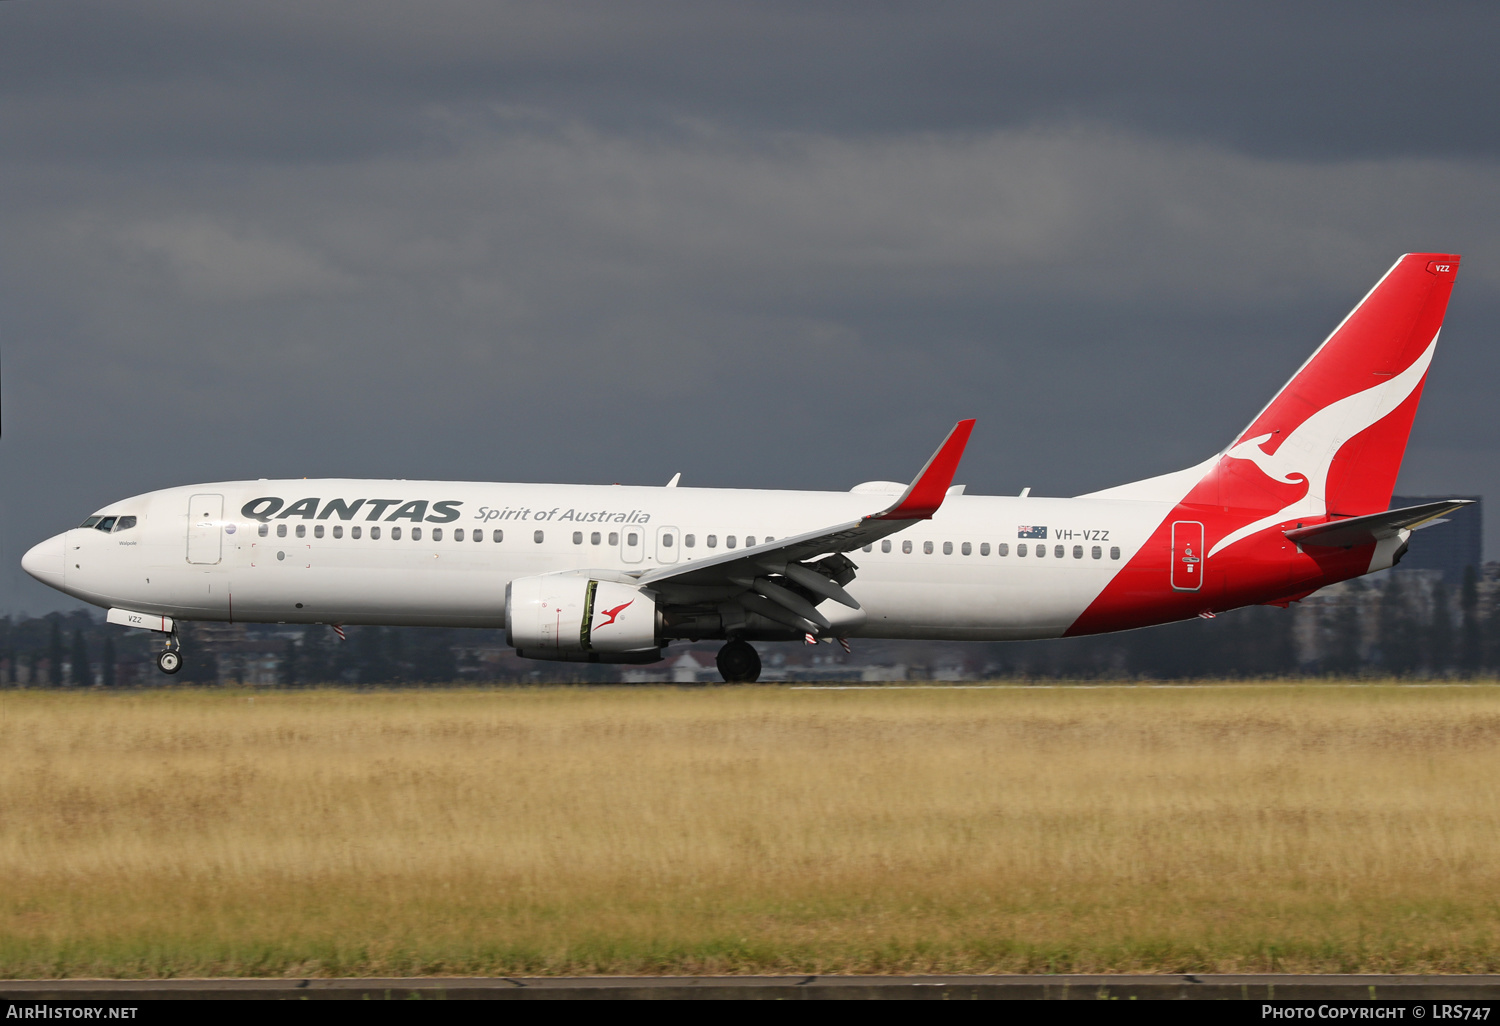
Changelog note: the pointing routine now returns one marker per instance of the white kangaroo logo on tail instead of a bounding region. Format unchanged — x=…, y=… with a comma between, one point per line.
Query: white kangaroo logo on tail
x=1308, y=452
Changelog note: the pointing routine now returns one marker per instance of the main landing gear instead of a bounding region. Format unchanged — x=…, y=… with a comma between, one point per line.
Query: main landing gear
x=739, y=663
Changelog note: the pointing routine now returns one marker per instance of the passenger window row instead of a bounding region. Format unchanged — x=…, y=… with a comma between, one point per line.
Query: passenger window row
x=596, y=538
x=125, y=523
x=357, y=531
x=689, y=541
x=711, y=541
x=632, y=538
x=666, y=541
x=1003, y=549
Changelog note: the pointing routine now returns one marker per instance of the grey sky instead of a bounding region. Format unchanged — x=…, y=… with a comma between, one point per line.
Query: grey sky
x=766, y=245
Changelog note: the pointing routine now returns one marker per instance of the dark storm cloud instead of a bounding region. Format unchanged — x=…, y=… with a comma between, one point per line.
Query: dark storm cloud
x=764, y=245
x=282, y=80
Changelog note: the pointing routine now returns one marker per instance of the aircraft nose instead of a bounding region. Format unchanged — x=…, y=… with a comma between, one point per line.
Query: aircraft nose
x=45, y=561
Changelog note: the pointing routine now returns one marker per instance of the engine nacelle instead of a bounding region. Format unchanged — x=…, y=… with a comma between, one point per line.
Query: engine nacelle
x=580, y=617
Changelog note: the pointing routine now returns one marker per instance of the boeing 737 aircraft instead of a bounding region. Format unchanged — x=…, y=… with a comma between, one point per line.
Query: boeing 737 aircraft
x=613, y=574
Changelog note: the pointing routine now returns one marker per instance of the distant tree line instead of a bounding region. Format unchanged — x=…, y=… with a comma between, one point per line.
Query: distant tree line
x=371, y=655
x=1254, y=642
x=58, y=650
x=1406, y=625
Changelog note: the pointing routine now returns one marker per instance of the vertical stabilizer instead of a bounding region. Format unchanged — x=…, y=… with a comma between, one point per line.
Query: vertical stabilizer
x=1339, y=427
x=1314, y=464
x=1331, y=441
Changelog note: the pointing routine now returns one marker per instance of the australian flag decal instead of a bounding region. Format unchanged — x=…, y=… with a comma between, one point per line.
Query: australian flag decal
x=1031, y=532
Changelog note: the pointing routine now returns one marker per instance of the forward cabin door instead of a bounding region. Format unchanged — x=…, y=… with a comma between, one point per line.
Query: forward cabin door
x=205, y=535
x=1187, y=555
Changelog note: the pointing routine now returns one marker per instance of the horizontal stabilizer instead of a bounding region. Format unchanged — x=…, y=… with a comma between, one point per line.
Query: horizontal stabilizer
x=1348, y=532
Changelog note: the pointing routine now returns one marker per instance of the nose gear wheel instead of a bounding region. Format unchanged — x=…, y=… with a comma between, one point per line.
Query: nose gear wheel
x=169, y=659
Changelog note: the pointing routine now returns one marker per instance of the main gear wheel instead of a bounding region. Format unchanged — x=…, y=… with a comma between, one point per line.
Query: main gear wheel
x=739, y=663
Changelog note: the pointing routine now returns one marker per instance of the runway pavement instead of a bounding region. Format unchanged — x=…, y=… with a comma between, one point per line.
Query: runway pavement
x=1264, y=987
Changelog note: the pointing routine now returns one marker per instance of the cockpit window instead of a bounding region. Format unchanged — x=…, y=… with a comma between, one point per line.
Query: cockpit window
x=106, y=525
x=91, y=521
x=124, y=523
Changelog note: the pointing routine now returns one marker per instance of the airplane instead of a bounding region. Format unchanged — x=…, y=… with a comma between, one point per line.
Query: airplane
x=614, y=574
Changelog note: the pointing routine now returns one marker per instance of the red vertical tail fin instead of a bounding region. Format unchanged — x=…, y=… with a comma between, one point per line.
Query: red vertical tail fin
x=1327, y=447
x=1341, y=424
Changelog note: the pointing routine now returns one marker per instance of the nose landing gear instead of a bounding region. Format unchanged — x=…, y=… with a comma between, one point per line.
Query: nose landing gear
x=738, y=663
x=169, y=660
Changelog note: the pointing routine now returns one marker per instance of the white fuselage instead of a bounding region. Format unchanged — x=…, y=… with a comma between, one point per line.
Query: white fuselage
x=195, y=553
x=1297, y=501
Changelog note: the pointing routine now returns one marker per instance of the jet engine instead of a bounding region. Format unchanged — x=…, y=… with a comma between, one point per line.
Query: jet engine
x=581, y=617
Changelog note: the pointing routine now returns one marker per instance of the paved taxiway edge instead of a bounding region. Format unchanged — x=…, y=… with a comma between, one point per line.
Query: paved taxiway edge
x=1260, y=987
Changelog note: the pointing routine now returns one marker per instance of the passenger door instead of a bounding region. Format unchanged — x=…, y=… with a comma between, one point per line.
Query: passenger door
x=205, y=533
x=1187, y=555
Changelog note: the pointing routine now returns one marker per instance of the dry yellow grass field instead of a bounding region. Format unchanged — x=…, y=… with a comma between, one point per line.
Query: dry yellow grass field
x=759, y=829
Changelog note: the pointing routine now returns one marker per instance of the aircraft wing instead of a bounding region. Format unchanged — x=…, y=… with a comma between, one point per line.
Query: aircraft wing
x=1351, y=531
x=777, y=580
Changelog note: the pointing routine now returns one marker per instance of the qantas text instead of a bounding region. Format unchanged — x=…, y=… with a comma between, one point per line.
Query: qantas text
x=417, y=510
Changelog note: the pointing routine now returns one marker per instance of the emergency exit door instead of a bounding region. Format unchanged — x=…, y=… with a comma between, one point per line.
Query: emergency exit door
x=205, y=538
x=633, y=544
x=667, y=544
x=1187, y=555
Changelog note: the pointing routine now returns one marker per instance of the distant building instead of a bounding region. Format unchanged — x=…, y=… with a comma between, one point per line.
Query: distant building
x=1449, y=547
x=686, y=670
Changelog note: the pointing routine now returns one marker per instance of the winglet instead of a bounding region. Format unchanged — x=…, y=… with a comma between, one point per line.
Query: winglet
x=922, y=499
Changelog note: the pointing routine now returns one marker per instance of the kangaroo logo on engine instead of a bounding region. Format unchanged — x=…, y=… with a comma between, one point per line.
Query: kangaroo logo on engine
x=612, y=613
